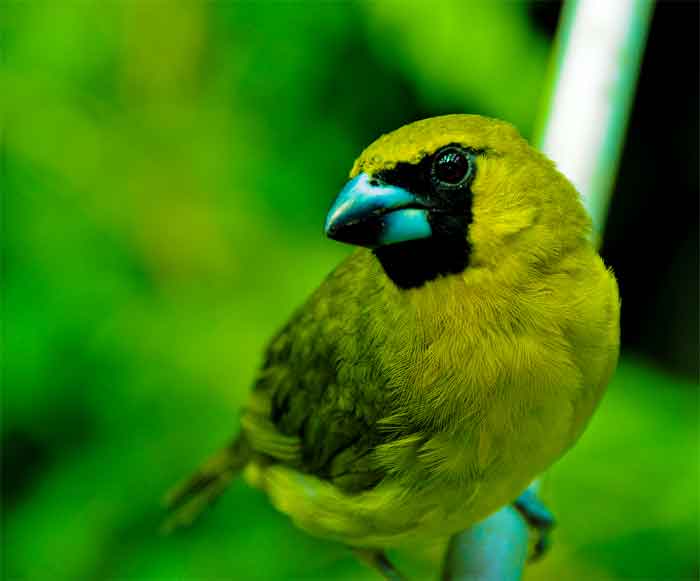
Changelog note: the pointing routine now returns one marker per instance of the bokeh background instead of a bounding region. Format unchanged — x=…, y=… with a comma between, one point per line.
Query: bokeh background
x=166, y=168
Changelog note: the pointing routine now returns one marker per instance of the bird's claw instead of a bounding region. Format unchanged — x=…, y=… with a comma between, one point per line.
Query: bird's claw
x=539, y=517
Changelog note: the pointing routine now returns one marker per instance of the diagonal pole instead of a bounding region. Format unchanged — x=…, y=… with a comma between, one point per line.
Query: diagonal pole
x=597, y=55
x=596, y=59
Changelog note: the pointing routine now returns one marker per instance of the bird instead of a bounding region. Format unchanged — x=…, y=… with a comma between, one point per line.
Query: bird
x=452, y=357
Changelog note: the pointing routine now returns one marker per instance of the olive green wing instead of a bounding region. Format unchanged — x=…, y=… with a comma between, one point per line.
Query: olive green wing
x=317, y=400
x=316, y=403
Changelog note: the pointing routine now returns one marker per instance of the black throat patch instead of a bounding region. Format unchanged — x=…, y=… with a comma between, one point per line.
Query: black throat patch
x=412, y=264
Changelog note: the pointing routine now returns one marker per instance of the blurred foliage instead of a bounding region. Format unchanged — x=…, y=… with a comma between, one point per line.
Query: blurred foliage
x=165, y=172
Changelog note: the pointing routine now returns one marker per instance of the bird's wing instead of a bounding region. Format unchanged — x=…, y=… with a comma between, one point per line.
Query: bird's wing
x=318, y=397
x=316, y=403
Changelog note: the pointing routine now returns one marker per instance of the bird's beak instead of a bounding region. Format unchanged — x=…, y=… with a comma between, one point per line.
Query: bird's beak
x=369, y=213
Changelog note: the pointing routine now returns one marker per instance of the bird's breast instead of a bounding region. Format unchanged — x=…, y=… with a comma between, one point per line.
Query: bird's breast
x=486, y=375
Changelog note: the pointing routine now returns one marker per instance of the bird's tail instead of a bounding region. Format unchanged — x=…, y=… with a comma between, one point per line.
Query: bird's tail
x=186, y=501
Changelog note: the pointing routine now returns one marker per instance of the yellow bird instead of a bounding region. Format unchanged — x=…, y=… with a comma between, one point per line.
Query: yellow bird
x=449, y=360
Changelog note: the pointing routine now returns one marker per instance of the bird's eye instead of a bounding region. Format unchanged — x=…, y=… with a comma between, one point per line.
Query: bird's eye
x=451, y=166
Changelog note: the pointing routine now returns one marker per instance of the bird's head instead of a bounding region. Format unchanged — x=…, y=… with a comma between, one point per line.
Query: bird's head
x=453, y=194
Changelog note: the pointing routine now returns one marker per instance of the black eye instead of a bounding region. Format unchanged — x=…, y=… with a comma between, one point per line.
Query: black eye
x=451, y=166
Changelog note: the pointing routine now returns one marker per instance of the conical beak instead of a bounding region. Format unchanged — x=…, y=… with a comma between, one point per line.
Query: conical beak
x=369, y=213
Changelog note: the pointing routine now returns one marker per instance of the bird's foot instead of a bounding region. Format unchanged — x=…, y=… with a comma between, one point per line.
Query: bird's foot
x=377, y=560
x=539, y=517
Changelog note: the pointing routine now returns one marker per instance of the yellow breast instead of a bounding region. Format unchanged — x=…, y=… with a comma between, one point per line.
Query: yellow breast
x=514, y=377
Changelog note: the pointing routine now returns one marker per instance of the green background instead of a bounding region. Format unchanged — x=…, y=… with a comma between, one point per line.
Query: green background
x=166, y=169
